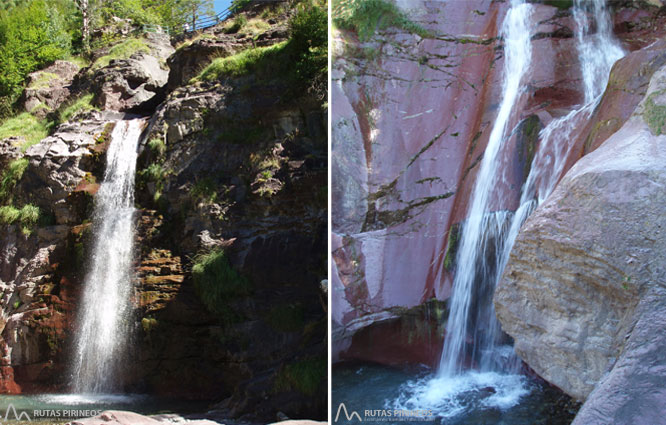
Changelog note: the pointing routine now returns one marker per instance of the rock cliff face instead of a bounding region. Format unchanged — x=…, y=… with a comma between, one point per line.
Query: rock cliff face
x=589, y=317
x=411, y=119
x=235, y=166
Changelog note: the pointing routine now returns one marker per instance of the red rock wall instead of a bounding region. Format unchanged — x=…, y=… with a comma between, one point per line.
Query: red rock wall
x=411, y=119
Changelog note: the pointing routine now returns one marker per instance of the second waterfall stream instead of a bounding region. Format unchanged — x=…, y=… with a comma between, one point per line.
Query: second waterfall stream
x=477, y=358
x=103, y=316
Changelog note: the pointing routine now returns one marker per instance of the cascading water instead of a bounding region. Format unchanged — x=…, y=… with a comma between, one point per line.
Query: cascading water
x=487, y=237
x=517, y=57
x=103, y=319
x=598, y=52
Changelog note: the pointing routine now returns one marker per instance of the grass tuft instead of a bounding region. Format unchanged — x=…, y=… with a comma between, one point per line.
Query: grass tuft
x=365, y=17
x=258, y=60
x=11, y=176
x=216, y=282
x=82, y=104
x=121, y=50
x=27, y=126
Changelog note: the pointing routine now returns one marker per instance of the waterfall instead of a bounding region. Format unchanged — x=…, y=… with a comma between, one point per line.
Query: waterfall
x=487, y=238
x=480, y=226
x=598, y=52
x=103, y=317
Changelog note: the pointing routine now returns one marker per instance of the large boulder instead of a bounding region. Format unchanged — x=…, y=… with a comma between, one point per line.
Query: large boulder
x=49, y=88
x=136, y=82
x=584, y=292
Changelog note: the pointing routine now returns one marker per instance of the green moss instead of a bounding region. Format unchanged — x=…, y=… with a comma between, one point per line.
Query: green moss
x=305, y=376
x=365, y=17
x=148, y=324
x=27, y=126
x=254, y=60
x=82, y=104
x=286, y=318
x=122, y=50
x=216, y=283
x=452, y=247
x=655, y=115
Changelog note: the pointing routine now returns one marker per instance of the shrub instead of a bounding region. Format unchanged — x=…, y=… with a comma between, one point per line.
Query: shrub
x=309, y=41
x=367, y=16
x=154, y=172
x=216, y=282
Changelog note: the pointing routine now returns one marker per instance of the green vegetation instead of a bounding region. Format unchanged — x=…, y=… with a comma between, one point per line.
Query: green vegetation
x=32, y=35
x=122, y=50
x=43, y=80
x=365, y=17
x=25, y=125
x=232, y=27
x=259, y=60
x=655, y=115
x=301, y=59
x=154, y=172
x=205, y=189
x=82, y=104
x=157, y=146
x=11, y=176
x=27, y=216
x=306, y=376
x=148, y=324
x=452, y=247
x=560, y=4
x=216, y=282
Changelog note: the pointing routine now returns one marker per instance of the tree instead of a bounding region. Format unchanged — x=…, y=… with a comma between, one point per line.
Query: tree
x=197, y=9
x=85, y=24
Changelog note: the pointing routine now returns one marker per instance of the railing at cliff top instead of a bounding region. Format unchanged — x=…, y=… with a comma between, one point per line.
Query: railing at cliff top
x=206, y=21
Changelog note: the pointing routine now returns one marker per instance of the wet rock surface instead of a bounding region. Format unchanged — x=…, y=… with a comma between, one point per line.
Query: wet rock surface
x=411, y=119
x=589, y=318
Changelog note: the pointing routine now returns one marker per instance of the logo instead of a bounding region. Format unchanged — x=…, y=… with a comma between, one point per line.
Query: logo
x=347, y=415
x=22, y=417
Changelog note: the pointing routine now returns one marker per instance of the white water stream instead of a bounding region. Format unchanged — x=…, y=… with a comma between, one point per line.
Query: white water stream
x=104, y=314
x=474, y=356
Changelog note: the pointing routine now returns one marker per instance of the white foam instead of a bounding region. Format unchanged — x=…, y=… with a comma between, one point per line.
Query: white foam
x=451, y=396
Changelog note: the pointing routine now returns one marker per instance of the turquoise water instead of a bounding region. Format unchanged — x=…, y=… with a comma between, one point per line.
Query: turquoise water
x=476, y=399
